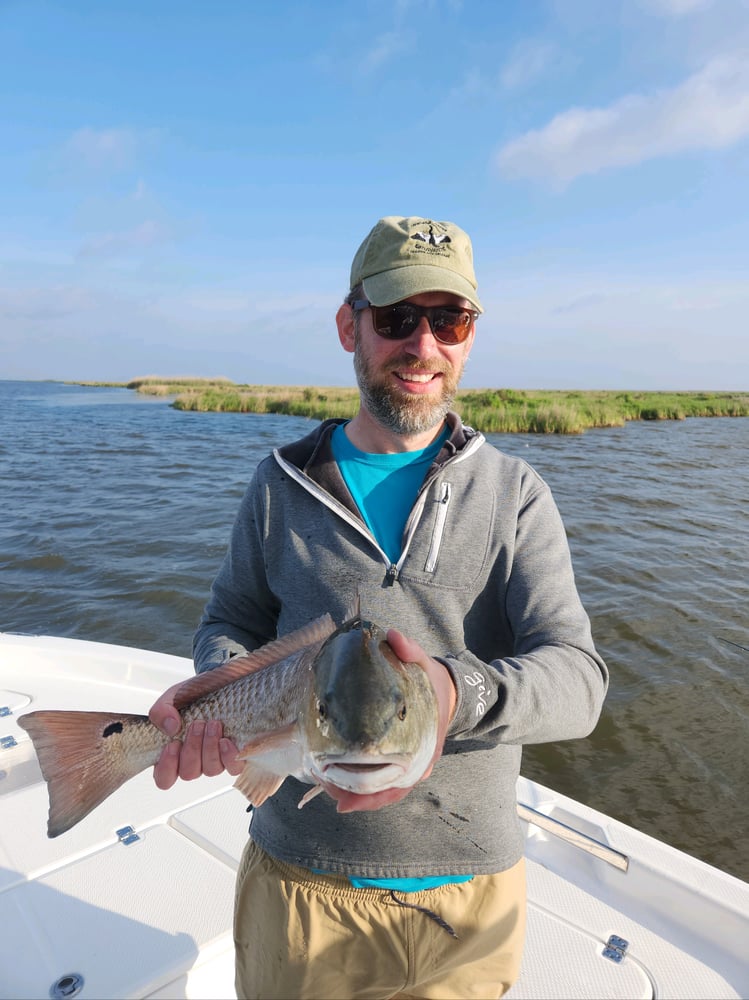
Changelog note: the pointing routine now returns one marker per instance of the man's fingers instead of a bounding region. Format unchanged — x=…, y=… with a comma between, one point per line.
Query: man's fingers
x=164, y=715
x=203, y=751
x=404, y=648
x=229, y=757
x=166, y=769
x=191, y=756
x=212, y=764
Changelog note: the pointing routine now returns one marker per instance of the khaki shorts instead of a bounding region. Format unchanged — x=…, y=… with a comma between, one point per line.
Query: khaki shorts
x=305, y=936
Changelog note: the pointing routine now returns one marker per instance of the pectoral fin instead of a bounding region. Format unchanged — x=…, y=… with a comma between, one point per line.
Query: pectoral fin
x=258, y=784
x=270, y=758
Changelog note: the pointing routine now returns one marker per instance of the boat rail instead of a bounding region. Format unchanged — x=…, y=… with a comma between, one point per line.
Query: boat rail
x=572, y=836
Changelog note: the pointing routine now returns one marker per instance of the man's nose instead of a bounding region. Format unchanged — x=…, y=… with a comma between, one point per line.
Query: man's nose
x=422, y=338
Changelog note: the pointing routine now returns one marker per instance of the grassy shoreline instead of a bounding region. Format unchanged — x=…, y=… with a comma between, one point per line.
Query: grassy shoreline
x=535, y=411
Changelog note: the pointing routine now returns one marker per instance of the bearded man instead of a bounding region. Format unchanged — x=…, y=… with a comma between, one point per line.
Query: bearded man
x=408, y=892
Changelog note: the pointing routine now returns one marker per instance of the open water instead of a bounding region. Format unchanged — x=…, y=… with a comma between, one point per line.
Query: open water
x=115, y=511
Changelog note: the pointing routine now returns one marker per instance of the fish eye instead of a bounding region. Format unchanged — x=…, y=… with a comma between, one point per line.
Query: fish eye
x=402, y=712
x=322, y=710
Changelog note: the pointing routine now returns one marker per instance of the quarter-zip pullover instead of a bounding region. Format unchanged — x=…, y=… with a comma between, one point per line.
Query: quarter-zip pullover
x=483, y=582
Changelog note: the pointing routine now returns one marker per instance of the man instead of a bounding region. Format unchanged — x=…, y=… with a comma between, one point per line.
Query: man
x=461, y=549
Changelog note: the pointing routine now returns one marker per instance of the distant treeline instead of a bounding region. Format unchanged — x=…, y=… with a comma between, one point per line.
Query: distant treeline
x=535, y=411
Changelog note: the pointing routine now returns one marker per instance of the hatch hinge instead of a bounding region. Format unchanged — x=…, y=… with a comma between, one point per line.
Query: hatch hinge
x=126, y=835
x=615, y=949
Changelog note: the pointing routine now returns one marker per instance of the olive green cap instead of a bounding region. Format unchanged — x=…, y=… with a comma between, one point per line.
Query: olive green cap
x=402, y=257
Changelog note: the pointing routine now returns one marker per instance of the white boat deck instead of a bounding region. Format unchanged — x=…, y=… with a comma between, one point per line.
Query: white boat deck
x=152, y=917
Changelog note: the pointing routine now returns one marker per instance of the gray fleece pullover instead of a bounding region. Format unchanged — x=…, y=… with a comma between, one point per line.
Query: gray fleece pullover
x=484, y=583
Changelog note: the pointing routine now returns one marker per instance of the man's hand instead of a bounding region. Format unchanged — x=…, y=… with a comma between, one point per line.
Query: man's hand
x=408, y=651
x=203, y=750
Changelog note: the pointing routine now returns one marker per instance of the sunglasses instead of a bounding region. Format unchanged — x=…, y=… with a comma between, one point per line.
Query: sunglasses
x=449, y=324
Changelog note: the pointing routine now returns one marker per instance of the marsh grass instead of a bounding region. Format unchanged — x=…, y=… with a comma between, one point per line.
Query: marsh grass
x=572, y=412
x=498, y=411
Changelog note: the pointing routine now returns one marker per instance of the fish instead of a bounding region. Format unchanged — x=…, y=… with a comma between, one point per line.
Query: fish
x=325, y=704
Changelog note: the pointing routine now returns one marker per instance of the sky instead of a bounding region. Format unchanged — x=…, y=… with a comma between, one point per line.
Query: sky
x=183, y=184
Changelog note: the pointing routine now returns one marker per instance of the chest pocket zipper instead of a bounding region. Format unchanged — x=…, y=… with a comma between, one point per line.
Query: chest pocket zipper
x=443, y=502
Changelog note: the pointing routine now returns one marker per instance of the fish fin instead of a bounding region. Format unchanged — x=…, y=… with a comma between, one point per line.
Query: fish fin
x=78, y=762
x=269, y=759
x=309, y=637
x=315, y=790
x=353, y=611
x=257, y=783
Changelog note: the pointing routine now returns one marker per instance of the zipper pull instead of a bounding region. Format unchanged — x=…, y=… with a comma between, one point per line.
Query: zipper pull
x=392, y=575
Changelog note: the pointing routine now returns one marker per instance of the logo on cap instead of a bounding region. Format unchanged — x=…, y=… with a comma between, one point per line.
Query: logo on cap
x=431, y=238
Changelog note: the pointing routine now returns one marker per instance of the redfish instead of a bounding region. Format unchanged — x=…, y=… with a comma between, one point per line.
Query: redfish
x=322, y=704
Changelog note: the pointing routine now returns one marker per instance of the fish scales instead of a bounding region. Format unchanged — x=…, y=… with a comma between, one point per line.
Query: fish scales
x=267, y=700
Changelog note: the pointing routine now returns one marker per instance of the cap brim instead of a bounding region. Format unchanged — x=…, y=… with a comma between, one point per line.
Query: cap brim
x=387, y=287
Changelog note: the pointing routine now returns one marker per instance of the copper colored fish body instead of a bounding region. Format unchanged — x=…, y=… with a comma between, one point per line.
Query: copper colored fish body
x=323, y=704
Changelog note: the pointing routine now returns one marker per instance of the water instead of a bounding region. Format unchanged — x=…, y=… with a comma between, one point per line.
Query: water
x=117, y=509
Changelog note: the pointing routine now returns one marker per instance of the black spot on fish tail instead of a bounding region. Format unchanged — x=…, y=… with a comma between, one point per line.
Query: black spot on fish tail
x=112, y=728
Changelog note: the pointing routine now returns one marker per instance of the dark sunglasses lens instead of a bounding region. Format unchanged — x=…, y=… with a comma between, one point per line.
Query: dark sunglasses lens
x=449, y=326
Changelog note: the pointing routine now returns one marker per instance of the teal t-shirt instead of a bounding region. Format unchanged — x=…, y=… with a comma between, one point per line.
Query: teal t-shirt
x=384, y=488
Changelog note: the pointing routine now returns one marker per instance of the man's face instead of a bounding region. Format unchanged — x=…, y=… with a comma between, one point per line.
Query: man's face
x=409, y=385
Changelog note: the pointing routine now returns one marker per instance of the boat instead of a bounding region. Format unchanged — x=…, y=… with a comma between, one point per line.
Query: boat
x=136, y=900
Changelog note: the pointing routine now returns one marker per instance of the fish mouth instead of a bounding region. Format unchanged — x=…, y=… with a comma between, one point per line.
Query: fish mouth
x=364, y=775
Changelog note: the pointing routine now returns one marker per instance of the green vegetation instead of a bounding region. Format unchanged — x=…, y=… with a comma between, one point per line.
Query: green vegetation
x=160, y=385
x=572, y=412
x=534, y=411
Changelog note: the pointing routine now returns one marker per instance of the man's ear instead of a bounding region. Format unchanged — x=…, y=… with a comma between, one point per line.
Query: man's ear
x=344, y=319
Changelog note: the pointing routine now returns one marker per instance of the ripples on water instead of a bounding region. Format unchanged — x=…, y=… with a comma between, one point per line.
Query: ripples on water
x=117, y=510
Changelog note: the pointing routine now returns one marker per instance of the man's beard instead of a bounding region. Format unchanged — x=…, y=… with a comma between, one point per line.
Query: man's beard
x=396, y=410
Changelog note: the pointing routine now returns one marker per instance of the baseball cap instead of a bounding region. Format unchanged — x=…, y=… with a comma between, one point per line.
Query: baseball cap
x=404, y=256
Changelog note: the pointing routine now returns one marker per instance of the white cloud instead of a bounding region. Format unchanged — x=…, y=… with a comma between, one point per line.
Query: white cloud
x=528, y=61
x=383, y=49
x=102, y=149
x=675, y=8
x=139, y=237
x=709, y=110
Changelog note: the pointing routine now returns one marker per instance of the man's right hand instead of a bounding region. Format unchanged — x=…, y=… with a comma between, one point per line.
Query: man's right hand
x=203, y=749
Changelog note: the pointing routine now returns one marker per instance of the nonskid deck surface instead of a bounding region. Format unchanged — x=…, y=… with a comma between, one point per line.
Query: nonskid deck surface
x=149, y=913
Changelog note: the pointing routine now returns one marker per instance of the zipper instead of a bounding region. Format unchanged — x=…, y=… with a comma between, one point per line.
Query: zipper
x=392, y=570
x=332, y=504
x=439, y=527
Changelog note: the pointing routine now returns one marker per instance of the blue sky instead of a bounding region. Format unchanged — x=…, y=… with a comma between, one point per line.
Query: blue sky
x=183, y=184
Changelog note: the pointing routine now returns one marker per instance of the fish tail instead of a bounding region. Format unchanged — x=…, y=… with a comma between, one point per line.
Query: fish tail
x=85, y=756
